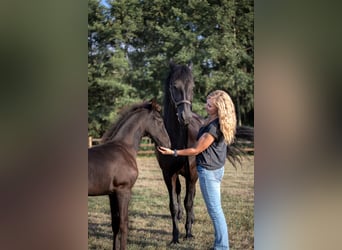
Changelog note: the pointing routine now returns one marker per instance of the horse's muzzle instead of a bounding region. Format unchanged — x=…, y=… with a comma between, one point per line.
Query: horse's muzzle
x=184, y=119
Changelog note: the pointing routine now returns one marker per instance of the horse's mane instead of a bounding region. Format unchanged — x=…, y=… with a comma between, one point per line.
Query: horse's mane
x=125, y=113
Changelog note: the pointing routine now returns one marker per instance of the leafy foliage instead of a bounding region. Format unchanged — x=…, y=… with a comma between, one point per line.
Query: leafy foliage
x=130, y=43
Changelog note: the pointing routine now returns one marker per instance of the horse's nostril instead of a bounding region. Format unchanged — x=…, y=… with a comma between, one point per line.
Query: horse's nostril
x=183, y=115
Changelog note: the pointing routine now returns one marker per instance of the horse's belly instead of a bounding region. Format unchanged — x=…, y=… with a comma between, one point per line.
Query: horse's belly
x=98, y=186
x=106, y=182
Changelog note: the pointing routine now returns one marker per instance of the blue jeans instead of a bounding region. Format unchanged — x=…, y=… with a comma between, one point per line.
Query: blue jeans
x=210, y=184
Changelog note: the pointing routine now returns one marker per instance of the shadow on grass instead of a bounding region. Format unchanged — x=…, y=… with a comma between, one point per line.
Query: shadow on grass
x=96, y=230
x=149, y=231
x=150, y=215
x=160, y=245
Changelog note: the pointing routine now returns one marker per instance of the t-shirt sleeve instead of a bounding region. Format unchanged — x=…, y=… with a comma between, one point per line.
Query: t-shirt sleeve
x=213, y=130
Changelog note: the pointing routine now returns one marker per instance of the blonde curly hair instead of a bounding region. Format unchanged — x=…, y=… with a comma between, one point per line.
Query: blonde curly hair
x=226, y=114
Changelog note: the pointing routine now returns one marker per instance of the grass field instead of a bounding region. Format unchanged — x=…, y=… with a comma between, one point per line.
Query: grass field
x=150, y=225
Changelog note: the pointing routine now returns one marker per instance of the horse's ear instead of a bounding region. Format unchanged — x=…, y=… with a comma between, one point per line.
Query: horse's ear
x=190, y=65
x=172, y=64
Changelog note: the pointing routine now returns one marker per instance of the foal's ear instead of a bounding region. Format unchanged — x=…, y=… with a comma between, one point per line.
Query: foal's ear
x=155, y=105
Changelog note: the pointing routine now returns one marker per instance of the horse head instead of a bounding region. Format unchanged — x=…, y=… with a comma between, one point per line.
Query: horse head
x=181, y=84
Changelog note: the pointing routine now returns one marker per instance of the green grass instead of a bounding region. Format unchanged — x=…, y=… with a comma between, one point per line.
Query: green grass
x=150, y=225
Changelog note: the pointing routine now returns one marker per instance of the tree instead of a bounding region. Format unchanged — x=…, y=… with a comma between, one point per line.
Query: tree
x=108, y=67
x=132, y=41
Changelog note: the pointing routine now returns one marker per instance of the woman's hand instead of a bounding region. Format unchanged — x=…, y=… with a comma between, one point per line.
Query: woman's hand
x=165, y=151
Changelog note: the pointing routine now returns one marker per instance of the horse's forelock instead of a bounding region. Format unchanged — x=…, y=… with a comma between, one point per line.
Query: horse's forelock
x=181, y=72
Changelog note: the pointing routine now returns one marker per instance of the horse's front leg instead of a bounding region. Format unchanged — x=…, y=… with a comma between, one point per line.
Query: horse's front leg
x=189, y=202
x=124, y=197
x=179, y=202
x=170, y=182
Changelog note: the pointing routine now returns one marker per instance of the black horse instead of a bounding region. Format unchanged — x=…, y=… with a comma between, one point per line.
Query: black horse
x=112, y=166
x=182, y=126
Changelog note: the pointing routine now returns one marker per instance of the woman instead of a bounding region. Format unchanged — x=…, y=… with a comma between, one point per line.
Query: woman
x=210, y=150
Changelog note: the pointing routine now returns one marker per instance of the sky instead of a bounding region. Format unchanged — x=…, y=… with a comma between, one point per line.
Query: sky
x=104, y=3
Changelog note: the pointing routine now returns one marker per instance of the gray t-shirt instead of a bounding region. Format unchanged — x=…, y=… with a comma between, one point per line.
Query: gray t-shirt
x=214, y=157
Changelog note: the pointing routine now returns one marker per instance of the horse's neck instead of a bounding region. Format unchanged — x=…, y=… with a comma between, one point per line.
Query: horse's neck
x=131, y=133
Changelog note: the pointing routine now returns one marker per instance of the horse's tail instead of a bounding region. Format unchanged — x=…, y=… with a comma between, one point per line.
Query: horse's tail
x=235, y=151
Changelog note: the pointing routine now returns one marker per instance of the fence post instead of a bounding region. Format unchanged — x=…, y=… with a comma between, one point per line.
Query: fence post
x=90, y=141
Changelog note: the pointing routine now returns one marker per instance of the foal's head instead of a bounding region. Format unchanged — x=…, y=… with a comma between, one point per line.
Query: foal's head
x=154, y=125
x=179, y=85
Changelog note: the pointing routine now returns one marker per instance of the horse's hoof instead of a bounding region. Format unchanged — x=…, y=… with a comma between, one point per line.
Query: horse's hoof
x=189, y=237
x=174, y=242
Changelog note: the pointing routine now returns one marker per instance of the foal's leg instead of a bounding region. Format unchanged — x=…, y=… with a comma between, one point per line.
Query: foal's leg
x=114, y=210
x=124, y=197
